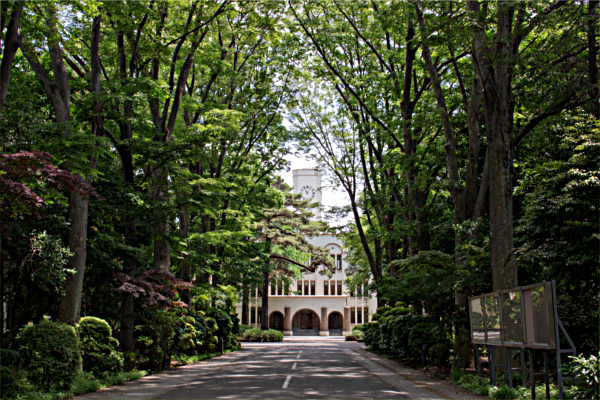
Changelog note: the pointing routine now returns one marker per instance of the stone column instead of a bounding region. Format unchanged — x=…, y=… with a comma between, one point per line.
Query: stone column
x=287, y=322
x=256, y=309
x=362, y=310
x=356, y=309
x=324, y=331
x=346, y=330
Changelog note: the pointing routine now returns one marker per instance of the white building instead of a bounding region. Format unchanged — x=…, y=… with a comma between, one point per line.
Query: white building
x=317, y=304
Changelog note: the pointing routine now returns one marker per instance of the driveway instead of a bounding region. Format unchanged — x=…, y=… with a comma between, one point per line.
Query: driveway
x=296, y=368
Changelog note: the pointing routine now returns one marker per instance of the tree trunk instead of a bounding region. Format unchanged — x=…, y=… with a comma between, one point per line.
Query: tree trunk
x=498, y=106
x=11, y=45
x=186, y=267
x=593, y=56
x=70, y=303
x=423, y=236
x=127, y=306
x=127, y=322
x=162, y=251
x=363, y=239
x=264, y=324
x=245, y=319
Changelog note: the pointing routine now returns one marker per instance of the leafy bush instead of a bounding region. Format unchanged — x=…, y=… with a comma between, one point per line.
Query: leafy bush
x=51, y=355
x=358, y=335
x=401, y=333
x=98, y=347
x=358, y=327
x=188, y=335
x=439, y=354
x=9, y=371
x=179, y=332
x=210, y=340
x=470, y=382
x=371, y=337
x=420, y=334
x=350, y=338
x=503, y=392
x=587, y=371
x=391, y=334
x=154, y=335
x=257, y=335
x=224, y=322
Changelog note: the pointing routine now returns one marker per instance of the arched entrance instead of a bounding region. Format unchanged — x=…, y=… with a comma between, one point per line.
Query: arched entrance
x=276, y=321
x=306, y=321
x=336, y=323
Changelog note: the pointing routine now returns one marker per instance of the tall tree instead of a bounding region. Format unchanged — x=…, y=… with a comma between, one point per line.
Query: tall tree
x=58, y=91
x=494, y=66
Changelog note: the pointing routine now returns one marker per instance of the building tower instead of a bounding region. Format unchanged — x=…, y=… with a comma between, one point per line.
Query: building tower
x=308, y=183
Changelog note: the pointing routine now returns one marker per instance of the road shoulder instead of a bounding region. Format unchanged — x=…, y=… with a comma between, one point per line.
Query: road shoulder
x=415, y=383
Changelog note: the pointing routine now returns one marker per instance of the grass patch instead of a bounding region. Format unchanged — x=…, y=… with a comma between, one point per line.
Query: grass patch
x=200, y=357
x=196, y=357
x=471, y=382
x=84, y=383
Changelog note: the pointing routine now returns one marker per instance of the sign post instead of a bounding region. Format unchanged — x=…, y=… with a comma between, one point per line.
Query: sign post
x=517, y=319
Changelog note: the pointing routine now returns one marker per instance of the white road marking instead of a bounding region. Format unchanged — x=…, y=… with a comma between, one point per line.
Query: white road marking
x=294, y=366
x=297, y=357
x=300, y=351
x=287, y=382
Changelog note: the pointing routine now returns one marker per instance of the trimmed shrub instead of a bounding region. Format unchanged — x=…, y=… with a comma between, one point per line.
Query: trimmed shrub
x=371, y=337
x=188, y=335
x=210, y=340
x=224, y=322
x=256, y=335
x=274, y=336
x=358, y=327
x=350, y=338
x=51, y=355
x=99, y=350
x=253, y=335
x=243, y=328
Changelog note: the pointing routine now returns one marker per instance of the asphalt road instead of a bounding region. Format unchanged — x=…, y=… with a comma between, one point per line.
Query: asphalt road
x=321, y=369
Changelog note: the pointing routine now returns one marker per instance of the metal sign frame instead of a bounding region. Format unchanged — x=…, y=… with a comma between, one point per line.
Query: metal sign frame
x=528, y=319
x=553, y=327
